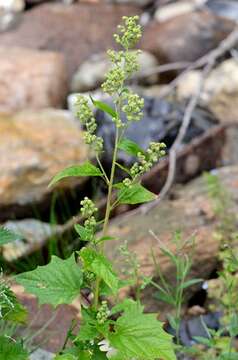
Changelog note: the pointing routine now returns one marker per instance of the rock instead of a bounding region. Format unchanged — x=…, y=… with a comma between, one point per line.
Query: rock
x=32, y=232
x=190, y=211
x=141, y=3
x=77, y=31
x=220, y=90
x=10, y=13
x=40, y=354
x=34, y=146
x=160, y=122
x=171, y=41
x=31, y=79
x=12, y=5
x=188, y=86
x=225, y=8
x=171, y=10
x=91, y=73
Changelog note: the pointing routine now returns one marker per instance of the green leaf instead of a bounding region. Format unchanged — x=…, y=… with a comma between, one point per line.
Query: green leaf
x=166, y=298
x=99, y=355
x=141, y=336
x=233, y=327
x=130, y=147
x=59, y=282
x=65, y=357
x=173, y=321
x=203, y=340
x=105, y=238
x=11, y=309
x=7, y=236
x=189, y=283
x=85, y=169
x=127, y=306
x=100, y=266
x=10, y=350
x=104, y=107
x=88, y=330
x=85, y=234
x=135, y=194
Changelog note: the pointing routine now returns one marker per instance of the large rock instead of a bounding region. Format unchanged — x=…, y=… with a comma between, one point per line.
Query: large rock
x=32, y=233
x=31, y=79
x=91, y=73
x=77, y=31
x=12, y=5
x=34, y=146
x=186, y=37
x=220, y=91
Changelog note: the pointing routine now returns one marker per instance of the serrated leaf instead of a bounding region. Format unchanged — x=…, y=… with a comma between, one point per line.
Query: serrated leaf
x=84, y=234
x=127, y=306
x=100, y=266
x=135, y=194
x=130, y=147
x=85, y=169
x=141, y=337
x=7, y=236
x=104, y=107
x=10, y=350
x=57, y=283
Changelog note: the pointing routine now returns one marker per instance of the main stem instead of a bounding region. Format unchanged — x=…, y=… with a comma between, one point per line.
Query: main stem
x=107, y=214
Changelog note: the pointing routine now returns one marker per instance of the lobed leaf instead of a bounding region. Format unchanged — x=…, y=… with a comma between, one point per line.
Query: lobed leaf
x=59, y=282
x=141, y=336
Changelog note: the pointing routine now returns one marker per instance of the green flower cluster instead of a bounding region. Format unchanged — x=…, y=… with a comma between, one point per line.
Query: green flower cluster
x=130, y=32
x=133, y=107
x=145, y=161
x=86, y=117
x=88, y=210
x=89, y=277
x=114, y=80
x=125, y=63
x=103, y=313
